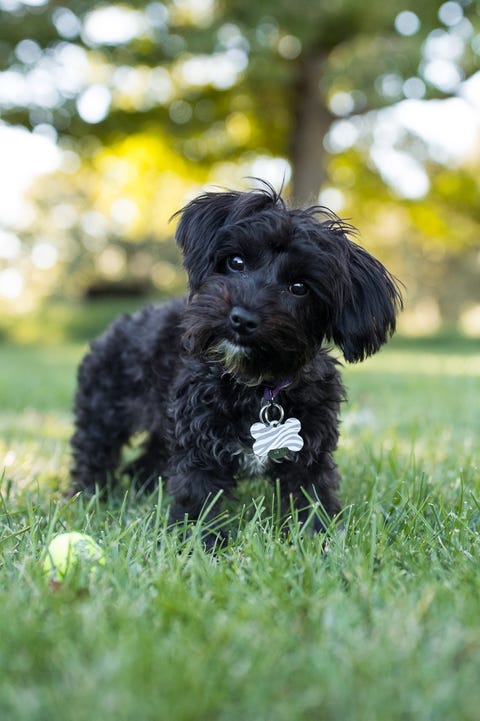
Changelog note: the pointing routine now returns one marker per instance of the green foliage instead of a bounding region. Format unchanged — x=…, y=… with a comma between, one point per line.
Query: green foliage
x=381, y=623
x=273, y=40
x=198, y=92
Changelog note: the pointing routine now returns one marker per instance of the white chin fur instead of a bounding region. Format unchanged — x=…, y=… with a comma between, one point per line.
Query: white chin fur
x=231, y=356
x=232, y=350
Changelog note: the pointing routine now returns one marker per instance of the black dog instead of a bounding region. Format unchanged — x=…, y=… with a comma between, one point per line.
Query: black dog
x=233, y=380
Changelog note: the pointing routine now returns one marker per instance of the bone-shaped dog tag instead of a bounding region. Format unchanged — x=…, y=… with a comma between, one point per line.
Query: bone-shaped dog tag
x=275, y=439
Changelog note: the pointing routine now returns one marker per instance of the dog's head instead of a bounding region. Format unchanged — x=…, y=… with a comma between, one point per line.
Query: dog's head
x=268, y=285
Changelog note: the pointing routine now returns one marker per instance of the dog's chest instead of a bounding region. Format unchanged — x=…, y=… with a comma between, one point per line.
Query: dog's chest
x=257, y=451
x=241, y=446
x=250, y=465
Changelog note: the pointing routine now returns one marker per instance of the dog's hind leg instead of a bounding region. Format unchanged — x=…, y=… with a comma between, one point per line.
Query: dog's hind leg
x=101, y=425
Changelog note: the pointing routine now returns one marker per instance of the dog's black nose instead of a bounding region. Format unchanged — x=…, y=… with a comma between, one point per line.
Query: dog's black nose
x=243, y=321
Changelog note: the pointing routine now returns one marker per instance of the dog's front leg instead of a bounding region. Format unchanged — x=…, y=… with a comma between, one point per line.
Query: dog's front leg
x=194, y=495
x=197, y=491
x=306, y=485
x=189, y=505
x=203, y=449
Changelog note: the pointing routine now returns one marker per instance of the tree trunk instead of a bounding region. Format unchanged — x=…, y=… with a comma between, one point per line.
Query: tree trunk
x=311, y=123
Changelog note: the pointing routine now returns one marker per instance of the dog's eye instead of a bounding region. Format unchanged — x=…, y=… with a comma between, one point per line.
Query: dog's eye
x=298, y=288
x=236, y=263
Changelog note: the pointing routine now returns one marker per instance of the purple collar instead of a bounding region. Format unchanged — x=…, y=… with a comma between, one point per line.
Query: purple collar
x=270, y=394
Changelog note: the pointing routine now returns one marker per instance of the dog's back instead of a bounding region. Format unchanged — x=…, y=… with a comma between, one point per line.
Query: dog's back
x=123, y=387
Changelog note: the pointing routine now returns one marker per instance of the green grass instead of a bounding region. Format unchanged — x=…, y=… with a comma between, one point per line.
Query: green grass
x=383, y=624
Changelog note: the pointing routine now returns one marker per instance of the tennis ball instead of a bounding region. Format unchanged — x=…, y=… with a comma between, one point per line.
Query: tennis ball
x=72, y=556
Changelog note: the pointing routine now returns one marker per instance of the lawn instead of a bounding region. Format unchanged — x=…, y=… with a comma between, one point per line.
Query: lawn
x=384, y=623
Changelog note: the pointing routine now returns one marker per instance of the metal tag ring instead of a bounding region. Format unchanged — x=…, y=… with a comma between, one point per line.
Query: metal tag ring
x=265, y=414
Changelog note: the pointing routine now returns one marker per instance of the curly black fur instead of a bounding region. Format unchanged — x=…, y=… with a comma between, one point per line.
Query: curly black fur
x=268, y=287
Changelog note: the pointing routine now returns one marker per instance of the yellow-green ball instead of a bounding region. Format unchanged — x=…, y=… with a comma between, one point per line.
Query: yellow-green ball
x=72, y=555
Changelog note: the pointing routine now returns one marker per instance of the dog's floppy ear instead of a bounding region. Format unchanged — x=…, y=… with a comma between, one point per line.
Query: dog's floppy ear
x=367, y=316
x=199, y=224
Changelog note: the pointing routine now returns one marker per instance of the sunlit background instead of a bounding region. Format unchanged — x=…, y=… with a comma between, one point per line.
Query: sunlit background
x=115, y=115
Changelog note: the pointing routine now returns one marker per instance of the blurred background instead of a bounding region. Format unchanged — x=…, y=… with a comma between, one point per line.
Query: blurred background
x=113, y=115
